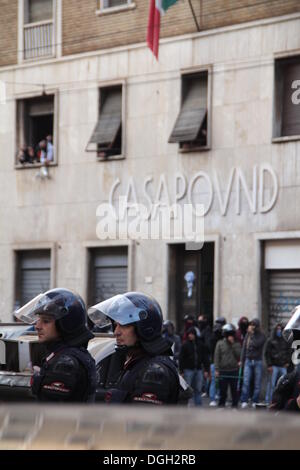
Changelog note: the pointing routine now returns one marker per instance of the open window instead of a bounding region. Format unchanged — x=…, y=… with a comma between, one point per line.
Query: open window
x=106, y=138
x=287, y=98
x=191, y=126
x=39, y=38
x=36, y=131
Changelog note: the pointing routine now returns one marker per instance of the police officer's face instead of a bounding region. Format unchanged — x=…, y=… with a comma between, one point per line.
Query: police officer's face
x=125, y=335
x=46, y=329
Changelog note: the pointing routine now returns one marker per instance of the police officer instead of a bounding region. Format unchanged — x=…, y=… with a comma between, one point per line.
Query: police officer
x=147, y=375
x=286, y=395
x=68, y=372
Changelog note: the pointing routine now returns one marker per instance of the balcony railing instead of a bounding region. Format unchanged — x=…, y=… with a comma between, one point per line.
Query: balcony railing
x=38, y=40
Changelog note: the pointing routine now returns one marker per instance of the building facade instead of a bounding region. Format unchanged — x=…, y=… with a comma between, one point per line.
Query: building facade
x=216, y=121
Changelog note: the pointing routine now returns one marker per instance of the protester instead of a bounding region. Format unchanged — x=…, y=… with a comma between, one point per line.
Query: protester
x=227, y=362
x=251, y=358
x=242, y=330
x=277, y=357
x=193, y=359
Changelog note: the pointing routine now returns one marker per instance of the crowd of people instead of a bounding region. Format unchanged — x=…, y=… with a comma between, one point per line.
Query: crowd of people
x=149, y=362
x=213, y=359
x=42, y=153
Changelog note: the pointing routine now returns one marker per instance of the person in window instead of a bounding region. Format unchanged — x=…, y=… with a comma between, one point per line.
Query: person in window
x=23, y=155
x=68, y=373
x=49, y=149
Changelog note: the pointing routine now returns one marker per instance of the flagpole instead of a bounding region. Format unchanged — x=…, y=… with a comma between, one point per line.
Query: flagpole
x=194, y=16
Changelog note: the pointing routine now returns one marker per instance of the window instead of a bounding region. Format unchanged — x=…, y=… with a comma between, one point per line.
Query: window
x=36, y=131
x=114, y=5
x=38, y=28
x=108, y=273
x=32, y=276
x=287, y=106
x=191, y=126
x=107, y=134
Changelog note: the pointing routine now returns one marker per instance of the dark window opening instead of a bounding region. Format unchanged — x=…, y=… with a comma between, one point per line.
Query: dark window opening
x=35, y=129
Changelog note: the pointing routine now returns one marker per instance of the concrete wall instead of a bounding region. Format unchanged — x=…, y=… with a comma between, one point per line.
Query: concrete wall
x=62, y=210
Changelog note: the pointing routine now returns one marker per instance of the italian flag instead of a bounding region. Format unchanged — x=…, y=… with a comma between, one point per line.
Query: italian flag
x=157, y=8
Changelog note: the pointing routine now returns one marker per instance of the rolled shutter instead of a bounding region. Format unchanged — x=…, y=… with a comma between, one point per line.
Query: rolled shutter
x=284, y=294
x=110, y=275
x=34, y=274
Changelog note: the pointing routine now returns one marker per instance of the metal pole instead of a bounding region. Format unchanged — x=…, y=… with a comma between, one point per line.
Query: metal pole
x=194, y=16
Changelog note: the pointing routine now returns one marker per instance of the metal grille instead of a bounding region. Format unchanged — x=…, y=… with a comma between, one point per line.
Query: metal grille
x=284, y=295
x=38, y=40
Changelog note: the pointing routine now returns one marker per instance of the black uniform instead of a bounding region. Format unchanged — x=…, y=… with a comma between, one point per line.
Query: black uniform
x=286, y=392
x=144, y=379
x=67, y=374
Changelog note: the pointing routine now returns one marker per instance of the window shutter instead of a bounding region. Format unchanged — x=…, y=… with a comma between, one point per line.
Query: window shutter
x=193, y=111
x=34, y=274
x=110, y=119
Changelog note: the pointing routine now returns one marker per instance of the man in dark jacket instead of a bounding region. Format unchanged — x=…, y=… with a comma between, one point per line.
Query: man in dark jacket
x=286, y=395
x=227, y=361
x=242, y=330
x=192, y=359
x=251, y=357
x=168, y=332
x=68, y=373
x=278, y=357
x=215, y=337
x=145, y=373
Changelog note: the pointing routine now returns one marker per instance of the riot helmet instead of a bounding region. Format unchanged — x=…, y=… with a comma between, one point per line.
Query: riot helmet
x=228, y=330
x=221, y=321
x=292, y=330
x=66, y=308
x=134, y=308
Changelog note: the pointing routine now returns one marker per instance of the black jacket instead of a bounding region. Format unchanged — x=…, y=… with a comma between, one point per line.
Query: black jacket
x=194, y=355
x=286, y=392
x=144, y=379
x=253, y=346
x=277, y=351
x=67, y=374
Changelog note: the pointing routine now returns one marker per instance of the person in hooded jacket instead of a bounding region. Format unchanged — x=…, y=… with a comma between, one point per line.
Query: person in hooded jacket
x=68, y=372
x=286, y=395
x=277, y=356
x=227, y=362
x=193, y=359
x=251, y=357
x=242, y=330
x=215, y=337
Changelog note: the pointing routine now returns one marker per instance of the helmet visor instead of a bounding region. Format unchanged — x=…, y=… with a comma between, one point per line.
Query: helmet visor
x=293, y=324
x=52, y=304
x=118, y=309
